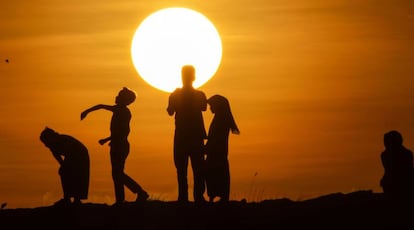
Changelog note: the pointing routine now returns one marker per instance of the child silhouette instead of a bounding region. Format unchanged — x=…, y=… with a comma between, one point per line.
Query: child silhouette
x=119, y=145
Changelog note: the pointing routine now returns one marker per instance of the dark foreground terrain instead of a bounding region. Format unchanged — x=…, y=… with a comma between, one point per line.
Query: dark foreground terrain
x=357, y=210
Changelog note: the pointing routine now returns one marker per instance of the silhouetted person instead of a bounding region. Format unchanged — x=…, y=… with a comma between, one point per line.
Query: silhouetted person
x=398, y=179
x=119, y=145
x=188, y=104
x=73, y=158
x=217, y=164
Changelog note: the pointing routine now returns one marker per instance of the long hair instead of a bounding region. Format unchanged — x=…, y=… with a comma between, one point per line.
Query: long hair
x=221, y=107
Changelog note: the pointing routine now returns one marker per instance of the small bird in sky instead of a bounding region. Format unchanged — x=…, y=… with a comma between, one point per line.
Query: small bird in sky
x=7, y=61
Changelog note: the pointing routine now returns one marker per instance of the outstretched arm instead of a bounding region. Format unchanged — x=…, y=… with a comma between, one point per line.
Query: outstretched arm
x=96, y=107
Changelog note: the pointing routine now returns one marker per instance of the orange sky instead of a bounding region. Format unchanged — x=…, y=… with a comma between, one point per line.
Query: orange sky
x=313, y=86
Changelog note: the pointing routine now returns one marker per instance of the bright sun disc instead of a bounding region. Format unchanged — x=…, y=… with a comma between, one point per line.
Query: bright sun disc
x=170, y=38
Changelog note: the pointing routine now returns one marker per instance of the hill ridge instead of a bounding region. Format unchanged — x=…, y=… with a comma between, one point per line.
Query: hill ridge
x=355, y=210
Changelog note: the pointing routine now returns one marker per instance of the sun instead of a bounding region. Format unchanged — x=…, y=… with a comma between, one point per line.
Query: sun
x=170, y=38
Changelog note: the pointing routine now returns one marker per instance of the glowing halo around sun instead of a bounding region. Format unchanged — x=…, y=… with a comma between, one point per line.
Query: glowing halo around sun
x=170, y=38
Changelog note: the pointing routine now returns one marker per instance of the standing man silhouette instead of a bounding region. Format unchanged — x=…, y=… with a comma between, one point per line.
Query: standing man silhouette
x=121, y=116
x=188, y=104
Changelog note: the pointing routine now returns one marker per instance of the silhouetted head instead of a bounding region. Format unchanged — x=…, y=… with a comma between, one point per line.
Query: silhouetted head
x=48, y=136
x=393, y=139
x=220, y=106
x=187, y=75
x=125, y=96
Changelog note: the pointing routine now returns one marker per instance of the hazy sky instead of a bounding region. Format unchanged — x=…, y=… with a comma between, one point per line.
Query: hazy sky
x=313, y=86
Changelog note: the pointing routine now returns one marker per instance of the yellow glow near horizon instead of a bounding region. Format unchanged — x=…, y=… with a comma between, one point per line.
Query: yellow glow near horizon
x=170, y=38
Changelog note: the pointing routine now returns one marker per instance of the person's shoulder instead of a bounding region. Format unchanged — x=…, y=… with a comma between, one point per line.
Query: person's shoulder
x=408, y=151
x=121, y=110
x=200, y=92
x=175, y=92
x=65, y=138
x=126, y=109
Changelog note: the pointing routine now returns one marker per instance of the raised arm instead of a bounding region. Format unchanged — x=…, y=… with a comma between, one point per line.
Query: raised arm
x=96, y=107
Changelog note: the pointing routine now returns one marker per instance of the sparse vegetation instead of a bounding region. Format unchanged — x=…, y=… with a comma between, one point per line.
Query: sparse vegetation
x=356, y=210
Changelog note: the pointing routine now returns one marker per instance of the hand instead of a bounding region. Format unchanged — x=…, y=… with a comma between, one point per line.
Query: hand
x=235, y=131
x=102, y=141
x=83, y=115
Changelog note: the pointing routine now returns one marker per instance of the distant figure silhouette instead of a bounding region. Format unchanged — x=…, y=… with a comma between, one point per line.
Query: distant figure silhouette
x=188, y=104
x=119, y=145
x=73, y=158
x=398, y=179
x=217, y=164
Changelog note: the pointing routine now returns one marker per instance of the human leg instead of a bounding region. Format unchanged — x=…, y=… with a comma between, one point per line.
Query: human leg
x=181, y=165
x=226, y=184
x=198, y=166
x=132, y=185
x=118, y=164
x=65, y=182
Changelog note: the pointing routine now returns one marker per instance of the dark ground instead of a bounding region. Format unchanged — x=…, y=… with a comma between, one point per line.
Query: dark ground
x=357, y=210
